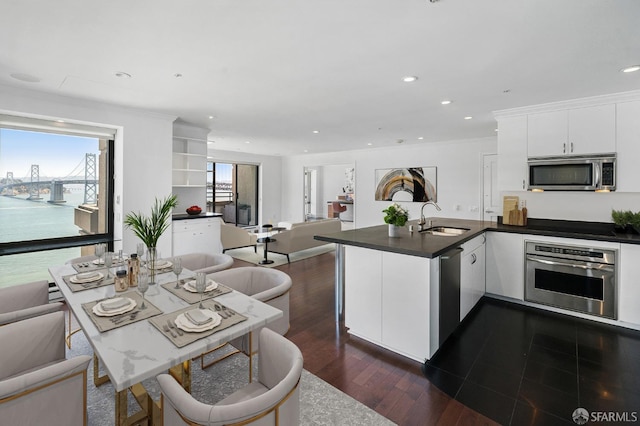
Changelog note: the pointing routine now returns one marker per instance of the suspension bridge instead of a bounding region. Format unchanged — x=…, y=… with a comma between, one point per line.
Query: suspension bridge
x=84, y=173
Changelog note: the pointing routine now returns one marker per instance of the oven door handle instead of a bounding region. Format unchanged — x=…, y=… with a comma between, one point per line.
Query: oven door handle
x=601, y=267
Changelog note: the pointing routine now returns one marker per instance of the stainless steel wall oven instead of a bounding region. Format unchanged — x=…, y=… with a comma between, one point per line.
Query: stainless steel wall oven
x=576, y=278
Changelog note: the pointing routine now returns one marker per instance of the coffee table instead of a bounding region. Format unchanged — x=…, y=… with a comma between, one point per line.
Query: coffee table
x=139, y=351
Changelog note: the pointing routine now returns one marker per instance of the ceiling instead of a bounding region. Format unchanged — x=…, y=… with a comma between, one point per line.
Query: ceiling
x=271, y=72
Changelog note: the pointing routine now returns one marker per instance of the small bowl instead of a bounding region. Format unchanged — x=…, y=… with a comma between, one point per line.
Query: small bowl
x=194, y=212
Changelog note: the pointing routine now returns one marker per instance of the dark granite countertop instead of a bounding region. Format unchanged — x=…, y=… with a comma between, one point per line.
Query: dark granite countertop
x=429, y=246
x=185, y=216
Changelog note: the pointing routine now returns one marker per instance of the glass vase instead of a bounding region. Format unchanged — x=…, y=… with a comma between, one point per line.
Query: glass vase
x=151, y=264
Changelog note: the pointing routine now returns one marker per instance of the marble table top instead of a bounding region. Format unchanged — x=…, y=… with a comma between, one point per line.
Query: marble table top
x=135, y=352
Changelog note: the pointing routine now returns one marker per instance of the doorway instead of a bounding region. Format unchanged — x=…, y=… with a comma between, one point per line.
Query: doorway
x=232, y=190
x=325, y=184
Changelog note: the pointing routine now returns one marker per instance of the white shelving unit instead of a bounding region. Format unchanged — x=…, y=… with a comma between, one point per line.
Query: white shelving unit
x=189, y=163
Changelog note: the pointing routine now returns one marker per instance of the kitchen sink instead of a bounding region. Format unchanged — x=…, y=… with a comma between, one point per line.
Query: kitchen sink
x=446, y=231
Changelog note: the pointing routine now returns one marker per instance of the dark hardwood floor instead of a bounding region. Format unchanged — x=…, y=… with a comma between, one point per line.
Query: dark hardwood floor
x=390, y=384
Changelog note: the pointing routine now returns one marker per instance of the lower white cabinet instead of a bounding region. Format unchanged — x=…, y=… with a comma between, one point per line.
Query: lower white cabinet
x=505, y=264
x=200, y=235
x=629, y=284
x=472, y=274
x=387, y=300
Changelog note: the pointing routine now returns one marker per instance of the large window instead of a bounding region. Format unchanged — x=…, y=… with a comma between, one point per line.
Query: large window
x=55, y=195
x=232, y=189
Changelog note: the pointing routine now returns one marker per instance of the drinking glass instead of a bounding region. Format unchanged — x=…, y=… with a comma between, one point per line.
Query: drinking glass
x=99, y=251
x=140, y=250
x=201, y=284
x=177, y=269
x=108, y=261
x=143, y=286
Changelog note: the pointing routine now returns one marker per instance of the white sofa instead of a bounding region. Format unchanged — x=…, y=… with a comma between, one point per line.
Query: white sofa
x=299, y=236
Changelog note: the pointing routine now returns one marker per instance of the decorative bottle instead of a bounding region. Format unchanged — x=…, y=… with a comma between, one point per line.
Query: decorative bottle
x=121, y=281
x=134, y=269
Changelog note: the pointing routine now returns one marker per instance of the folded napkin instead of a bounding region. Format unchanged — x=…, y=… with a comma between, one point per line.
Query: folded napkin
x=197, y=317
x=87, y=275
x=114, y=304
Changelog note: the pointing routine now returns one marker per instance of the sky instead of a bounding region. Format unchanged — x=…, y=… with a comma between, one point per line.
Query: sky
x=57, y=155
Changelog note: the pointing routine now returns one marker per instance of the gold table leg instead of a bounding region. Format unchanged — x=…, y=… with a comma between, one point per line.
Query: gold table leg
x=67, y=338
x=97, y=379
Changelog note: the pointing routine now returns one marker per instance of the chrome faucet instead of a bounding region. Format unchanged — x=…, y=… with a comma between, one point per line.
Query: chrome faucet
x=422, y=220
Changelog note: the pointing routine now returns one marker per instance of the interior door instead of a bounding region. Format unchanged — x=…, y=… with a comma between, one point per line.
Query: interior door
x=490, y=194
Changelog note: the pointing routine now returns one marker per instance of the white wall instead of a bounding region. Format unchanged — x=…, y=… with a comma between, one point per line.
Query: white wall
x=459, y=166
x=143, y=150
x=270, y=180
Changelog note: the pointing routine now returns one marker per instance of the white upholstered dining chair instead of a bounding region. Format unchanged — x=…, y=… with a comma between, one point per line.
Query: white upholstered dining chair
x=24, y=301
x=272, y=400
x=206, y=262
x=38, y=385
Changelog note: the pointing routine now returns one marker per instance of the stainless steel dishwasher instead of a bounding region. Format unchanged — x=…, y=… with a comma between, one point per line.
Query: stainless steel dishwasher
x=449, y=293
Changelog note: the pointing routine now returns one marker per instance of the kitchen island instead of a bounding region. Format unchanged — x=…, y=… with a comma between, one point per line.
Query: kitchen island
x=403, y=293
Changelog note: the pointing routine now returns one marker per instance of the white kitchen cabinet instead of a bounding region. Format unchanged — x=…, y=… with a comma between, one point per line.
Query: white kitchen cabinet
x=472, y=274
x=363, y=293
x=387, y=300
x=579, y=131
x=405, y=302
x=505, y=264
x=512, y=153
x=628, y=148
x=629, y=283
x=200, y=235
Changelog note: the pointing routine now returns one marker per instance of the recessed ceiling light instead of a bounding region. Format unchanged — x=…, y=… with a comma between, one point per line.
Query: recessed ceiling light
x=468, y=117
x=25, y=77
x=495, y=130
x=400, y=141
x=247, y=142
x=177, y=75
x=445, y=102
x=211, y=117
x=369, y=143
x=409, y=78
x=420, y=137
x=306, y=150
x=122, y=74
x=60, y=121
x=316, y=131
x=632, y=68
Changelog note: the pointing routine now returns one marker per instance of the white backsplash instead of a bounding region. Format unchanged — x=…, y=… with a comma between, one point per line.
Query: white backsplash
x=583, y=206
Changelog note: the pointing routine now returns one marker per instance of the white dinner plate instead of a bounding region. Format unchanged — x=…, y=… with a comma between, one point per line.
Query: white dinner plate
x=191, y=286
x=184, y=324
x=162, y=264
x=99, y=311
x=86, y=277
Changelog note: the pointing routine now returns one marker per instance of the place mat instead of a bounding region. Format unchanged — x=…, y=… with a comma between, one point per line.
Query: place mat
x=107, y=280
x=89, y=266
x=192, y=298
x=109, y=323
x=229, y=318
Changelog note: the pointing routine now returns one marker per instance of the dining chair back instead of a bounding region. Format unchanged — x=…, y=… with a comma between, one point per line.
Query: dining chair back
x=24, y=301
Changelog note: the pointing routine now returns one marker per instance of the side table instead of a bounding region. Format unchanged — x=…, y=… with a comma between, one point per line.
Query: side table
x=265, y=241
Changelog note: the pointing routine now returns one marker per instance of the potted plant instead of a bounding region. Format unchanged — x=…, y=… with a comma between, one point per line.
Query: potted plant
x=395, y=216
x=150, y=228
x=626, y=221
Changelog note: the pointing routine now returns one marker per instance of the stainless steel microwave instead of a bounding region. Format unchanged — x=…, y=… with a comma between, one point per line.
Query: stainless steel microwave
x=573, y=173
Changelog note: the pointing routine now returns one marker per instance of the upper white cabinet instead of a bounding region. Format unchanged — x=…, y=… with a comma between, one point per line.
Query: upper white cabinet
x=628, y=146
x=588, y=130
x=512, y=153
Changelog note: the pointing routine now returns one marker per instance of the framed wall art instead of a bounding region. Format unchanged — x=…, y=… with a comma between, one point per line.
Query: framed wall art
x=408, y=184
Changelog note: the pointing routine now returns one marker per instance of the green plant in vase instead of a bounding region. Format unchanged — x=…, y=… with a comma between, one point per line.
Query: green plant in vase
x=150, y=228
x=395, y=216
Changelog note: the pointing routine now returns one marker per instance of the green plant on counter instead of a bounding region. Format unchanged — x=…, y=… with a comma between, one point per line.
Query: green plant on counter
x=395, y=215
x=622, y=218
x=149, y=229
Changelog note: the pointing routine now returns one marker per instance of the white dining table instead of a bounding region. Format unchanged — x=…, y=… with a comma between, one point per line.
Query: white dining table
x=139, y=351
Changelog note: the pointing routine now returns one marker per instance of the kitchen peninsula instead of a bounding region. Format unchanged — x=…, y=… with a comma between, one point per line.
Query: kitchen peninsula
x=397, y=292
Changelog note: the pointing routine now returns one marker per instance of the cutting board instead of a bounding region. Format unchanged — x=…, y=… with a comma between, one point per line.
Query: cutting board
x=509, y=209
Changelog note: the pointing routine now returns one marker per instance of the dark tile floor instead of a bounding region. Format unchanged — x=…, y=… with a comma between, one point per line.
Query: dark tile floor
x=525, y=366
